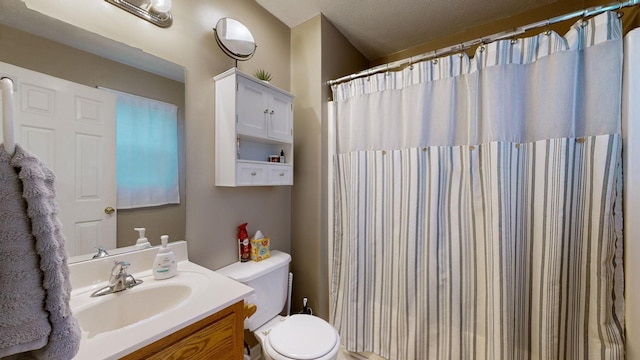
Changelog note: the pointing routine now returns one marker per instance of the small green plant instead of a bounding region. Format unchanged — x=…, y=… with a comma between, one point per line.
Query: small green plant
x=262, y=75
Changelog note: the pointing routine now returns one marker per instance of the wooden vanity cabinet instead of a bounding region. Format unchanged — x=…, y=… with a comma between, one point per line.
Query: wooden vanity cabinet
x=219, y=336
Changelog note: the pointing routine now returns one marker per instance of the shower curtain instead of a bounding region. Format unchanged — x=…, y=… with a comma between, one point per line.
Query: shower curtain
x=477, y=201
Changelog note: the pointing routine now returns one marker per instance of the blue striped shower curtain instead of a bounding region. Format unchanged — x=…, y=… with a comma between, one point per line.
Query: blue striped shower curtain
x=477, y=203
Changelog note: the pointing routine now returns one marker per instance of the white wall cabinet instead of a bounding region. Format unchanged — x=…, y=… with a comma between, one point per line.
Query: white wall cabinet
x=254, y=120
x=263, y=112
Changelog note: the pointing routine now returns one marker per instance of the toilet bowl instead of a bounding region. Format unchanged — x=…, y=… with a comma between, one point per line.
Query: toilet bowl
x=295, y=337
x=298, y=337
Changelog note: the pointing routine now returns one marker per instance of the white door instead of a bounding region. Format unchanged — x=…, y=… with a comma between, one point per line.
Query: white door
x=71, y=127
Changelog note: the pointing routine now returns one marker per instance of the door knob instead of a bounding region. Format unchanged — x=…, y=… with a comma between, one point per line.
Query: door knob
x=109, y=210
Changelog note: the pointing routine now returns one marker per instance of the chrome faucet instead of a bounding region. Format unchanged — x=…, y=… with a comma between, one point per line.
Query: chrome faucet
x=119, y=280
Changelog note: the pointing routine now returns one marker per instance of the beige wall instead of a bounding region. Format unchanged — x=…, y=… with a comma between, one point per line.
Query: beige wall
x=319, y=53
x=306, y=197
x=27, y=51
x=212, y=213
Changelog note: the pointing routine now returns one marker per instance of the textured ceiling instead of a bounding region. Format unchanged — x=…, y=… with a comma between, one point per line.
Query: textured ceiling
x=382, y=27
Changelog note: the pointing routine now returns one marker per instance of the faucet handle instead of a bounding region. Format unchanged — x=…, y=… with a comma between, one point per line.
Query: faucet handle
x=119, y=267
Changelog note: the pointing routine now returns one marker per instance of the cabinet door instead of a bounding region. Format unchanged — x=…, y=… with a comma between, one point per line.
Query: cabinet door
x=280, y=117
x=216, y=341
x=253, y=108
x=219, y=337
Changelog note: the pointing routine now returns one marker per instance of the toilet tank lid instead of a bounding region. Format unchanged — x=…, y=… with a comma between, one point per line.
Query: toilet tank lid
x=247, y=271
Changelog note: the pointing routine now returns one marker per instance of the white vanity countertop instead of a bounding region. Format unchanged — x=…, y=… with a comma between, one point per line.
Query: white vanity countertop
x=217, y=293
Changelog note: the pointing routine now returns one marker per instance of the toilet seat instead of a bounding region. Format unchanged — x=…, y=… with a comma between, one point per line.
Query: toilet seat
x=303, y=337
x=263, y=336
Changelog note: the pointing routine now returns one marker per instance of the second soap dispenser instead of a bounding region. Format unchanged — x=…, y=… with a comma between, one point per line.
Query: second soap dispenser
x=164, y=265
x=142, y=242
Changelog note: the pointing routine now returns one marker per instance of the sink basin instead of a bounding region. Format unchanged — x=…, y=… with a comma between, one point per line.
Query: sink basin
x=116, y=325
x=115, y=311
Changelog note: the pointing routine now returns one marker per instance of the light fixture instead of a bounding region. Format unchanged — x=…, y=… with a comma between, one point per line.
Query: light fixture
x=156, y=12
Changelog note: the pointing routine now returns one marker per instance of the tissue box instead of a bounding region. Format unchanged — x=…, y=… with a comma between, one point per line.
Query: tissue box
x=260, y=249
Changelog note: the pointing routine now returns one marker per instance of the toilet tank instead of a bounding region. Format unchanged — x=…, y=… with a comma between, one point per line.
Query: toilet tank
x=268, y=278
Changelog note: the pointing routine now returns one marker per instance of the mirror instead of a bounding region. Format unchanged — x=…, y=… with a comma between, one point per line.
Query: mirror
x=27, y=36
x=234, y=39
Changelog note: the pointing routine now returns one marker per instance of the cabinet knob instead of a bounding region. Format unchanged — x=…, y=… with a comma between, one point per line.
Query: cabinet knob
x=253, y=173
x=266, y=111
x=281, y=174
x=272, y=112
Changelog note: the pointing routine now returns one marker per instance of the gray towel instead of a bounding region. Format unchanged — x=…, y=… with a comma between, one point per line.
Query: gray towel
x=34, y=276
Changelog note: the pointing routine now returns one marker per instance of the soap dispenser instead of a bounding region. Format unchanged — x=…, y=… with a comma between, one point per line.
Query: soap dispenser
x=142, y=242
x=165, y=265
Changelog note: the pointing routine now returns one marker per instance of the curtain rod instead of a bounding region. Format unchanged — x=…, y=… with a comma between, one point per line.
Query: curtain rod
x=497, y=36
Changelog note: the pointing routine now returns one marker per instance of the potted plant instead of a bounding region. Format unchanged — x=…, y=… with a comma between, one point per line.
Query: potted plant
x=263, y=75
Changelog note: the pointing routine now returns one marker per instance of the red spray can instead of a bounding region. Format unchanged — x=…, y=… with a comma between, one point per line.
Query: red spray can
x=243, y=243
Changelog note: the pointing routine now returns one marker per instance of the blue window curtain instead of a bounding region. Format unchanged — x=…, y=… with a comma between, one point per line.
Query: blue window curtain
x=146, y=152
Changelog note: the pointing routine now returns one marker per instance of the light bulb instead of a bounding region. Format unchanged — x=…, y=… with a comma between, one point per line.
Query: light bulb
x=161, y=6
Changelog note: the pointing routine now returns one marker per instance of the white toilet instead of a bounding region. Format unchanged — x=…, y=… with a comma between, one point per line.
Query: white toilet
x=296, y=337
